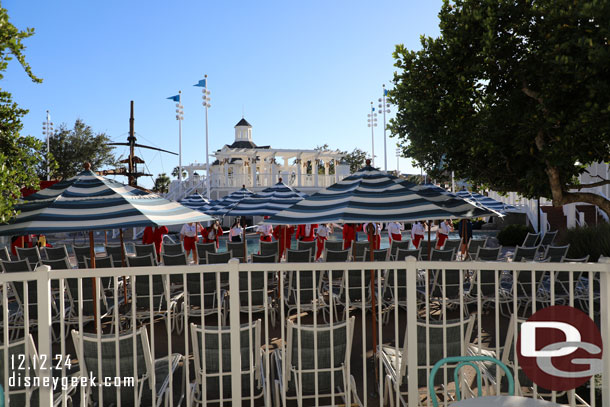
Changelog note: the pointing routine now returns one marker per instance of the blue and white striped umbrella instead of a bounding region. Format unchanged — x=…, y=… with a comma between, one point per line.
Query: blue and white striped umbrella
x=91, y=202
x=372, y=195
x=487, y=202
x=195, y=201
x=225, y=204
x=267, y=202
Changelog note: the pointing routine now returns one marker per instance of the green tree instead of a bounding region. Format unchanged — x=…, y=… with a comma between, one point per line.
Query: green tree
x=356, y=159
x=19, y=155
x=162, y=184
x=176, y=171
x=513, y=95
x=73, y=147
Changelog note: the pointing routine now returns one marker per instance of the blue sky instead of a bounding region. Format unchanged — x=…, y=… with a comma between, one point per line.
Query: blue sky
x=304, y=73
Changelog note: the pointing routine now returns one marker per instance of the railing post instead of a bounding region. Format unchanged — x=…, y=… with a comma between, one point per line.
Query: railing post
x=605, y=326
x=43, y=286
x=234, y=325
x=413, y=398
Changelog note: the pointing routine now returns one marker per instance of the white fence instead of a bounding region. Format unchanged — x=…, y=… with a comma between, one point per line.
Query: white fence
x=309, y=341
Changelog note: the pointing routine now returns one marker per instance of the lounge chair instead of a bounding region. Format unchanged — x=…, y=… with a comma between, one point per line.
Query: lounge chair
x=212, y=354
x=524, y=253
x=556, y=254
x=134, y=356
x=203, y=249
x=266, y=248
x=334, y=245
x=358, y=249
x=317, y=360
x=145, y=249
x=474, y=245
x=530, y=239
x=302, y=291
x=32, y=254
x=5, y=254
x=453, y=244
x=56, y=253
x=172, y=248
x=378, y=255
x=548, y=239
x=117, y=252
x=307, y=246
x=404, y=253
x=80, y=252
x=237, y=248
x=434, y=342
x=398, y=245
x=254, y=295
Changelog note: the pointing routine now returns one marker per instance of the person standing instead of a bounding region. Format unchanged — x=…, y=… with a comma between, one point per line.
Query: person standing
x=189, y=236
x=376, y=234
x=465, y=232
x=158, y=234
x=444, y=228
x=148, y=235
x=417, y=233
x=265, y=231
x=395, y=231
x=212, y=233
x=283, y=234
x=322, y=234
x=235, y=234
x=349, y=235
x=306, y=233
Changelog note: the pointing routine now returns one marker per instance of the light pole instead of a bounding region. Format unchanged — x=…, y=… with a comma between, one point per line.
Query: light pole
x=384, y=107
x=179, y=117
x=372, y=123
x=397, y=161
x=206, y=104
x=47, y=130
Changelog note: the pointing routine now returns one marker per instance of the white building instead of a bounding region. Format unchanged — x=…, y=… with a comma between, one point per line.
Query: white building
x=258, y=167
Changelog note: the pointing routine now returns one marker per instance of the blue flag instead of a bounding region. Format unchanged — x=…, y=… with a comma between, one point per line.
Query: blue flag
x=201, y=84
x=175, y=98
x=385, y=92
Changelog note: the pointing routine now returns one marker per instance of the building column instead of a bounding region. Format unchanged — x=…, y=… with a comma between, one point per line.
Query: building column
x=336, y=172
x=299, y=170
x=314, y=166
x=273, y=170
x=326, y=173
x=225, y=168
x=253, y=170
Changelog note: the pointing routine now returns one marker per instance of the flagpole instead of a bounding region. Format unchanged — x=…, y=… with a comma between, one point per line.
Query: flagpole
x=47, y=129
x=203, y=83
x=372, y=123
x=384, y=107
x=180, y=117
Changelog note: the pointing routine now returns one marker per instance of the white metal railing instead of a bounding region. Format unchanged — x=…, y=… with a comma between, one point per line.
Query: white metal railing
x=428, y=297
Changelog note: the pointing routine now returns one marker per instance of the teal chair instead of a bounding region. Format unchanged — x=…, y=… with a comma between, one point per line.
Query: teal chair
x=467, y=361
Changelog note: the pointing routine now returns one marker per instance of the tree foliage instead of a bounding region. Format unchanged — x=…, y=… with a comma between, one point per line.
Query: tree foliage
x=161, y=184
x=176, y=171
x=356, y=159
x=73, y=147
x=513, y=95
x=19, y=155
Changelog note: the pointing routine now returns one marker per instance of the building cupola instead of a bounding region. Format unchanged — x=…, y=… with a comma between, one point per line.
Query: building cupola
x=243, y=131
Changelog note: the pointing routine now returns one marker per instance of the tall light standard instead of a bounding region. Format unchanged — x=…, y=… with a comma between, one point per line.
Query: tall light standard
x=397, y=161
x=179, y=117
x=47, y=130
x=384, y=107
x=206, y=104
x=372, y=123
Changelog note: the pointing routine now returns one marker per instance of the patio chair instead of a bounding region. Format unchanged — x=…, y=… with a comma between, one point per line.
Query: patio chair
x=303, y=288
x=398, y=244
x=450, y=287
x=80, y=252
x=298, y=256
x=403, y=254
x=56, y=253
x=358, y=249
x=134, y=356
x=424, y=245
x=172, y=248
x=203, y=296
x=378, y=255
x=335, y=245
x=530, y=287
x=307, y=246
x=548, y=239
x=179, y=259
x=267, y=248
x=117, y=252
x=530, y=239
x=220, y=258
x=556, y=254
x=442, y=255
x=272, y=275
x=452, y=244
x=523, y=253
x=58, y=264
x=203, y=249
x=336, y=256
x=146, y=260
x=488, y=253
x=354, y=291
x=86, y=305
x=434, y=342
x=474, y=245
x=212, y=354
x=103, y=262
x=253, y=297
x=317, y=360
x=145, y=249
x=32, y=254
x=462, y=361
x=5, y=254
x=237, y=248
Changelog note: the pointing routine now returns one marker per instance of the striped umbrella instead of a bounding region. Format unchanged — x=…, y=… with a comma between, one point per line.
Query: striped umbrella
x=370, y=195
x=91, y=202
x=267, y=202
x=195, y=201
x=487, y=202
x=225, y=204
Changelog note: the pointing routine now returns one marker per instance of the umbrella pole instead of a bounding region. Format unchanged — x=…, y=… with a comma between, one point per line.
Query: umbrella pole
x=92, y=256
x=429, y=238
x=106, y=237
x=371, y=232
x=123, y=264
